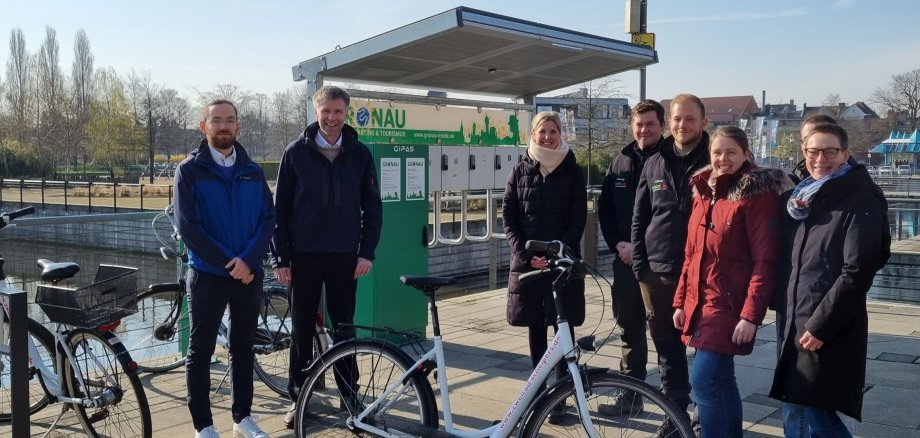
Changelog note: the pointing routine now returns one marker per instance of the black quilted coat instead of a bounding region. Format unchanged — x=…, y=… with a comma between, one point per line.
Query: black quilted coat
x=543, y=208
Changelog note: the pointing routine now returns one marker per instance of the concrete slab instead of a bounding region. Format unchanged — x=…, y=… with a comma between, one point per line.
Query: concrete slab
x=488, y=362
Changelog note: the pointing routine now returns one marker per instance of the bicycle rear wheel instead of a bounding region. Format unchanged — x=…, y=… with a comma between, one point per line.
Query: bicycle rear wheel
x=273, y=340
x=351, y=376
x=657, y=410
x=38, y=394
x=121, y=404
x=152, y=335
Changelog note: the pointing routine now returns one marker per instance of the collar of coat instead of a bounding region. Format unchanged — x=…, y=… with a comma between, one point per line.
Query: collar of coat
x=748, y=181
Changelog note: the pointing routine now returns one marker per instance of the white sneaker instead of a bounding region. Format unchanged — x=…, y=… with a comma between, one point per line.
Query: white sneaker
x=208, y=432
x=248, y=429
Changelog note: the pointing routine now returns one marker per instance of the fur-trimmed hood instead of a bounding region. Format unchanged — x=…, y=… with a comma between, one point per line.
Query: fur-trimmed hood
x=745, y=183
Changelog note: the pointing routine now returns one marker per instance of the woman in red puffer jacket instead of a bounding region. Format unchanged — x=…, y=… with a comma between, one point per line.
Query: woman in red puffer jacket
x=732, y=254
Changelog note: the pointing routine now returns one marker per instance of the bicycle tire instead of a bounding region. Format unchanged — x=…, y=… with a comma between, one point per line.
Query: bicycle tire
x=273, y=340
x=657, y=409
x=39, y=397
x=154, y=308
x=379, y=364
x=105, y=368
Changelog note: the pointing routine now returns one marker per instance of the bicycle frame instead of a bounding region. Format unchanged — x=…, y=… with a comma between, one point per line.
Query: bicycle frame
x=51, y=379
x=561, y=348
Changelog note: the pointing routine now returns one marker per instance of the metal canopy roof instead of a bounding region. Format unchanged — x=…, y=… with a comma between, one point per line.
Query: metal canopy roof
x=470, y=51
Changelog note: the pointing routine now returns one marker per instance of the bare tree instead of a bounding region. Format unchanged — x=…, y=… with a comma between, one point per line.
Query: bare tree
x=53, y=135
x=145, y=100
x=18, y=94
x=832, y=105
x=82, y=78
x=600, y=125
x=175, y=123
x=902, y=96
x=303, y=105
x=82, y=71
x=229, y=91
x=286, y=122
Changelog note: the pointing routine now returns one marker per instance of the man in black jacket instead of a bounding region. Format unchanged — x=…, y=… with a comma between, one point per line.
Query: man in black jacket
x=615, y=210
x=659, y=232
x=329, y=219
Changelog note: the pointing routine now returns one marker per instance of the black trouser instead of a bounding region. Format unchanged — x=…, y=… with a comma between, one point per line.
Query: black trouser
x=629, y=312
x=658, y=295
x=309, y=273
x=209, y=296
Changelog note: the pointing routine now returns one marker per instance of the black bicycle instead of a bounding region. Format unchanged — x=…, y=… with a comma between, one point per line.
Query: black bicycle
x=162, y=318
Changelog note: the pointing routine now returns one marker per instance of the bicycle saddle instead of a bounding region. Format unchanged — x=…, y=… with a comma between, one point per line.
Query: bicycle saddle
x=55, y=272
x=421, y=282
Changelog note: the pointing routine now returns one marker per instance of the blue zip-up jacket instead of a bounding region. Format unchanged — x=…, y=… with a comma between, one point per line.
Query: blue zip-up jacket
x=220, y=219
x=326, y=207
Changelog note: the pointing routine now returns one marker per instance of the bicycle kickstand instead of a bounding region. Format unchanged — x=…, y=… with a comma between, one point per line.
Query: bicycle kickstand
x=224, y=378
x=64, y=408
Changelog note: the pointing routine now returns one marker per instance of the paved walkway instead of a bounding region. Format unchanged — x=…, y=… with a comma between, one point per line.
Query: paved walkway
x=488, y=361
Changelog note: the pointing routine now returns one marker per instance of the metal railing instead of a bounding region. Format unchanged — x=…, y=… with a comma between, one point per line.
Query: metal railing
x=89, y=195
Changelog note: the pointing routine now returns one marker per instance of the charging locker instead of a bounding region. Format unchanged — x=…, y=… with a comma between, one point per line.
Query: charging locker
x=506, y=157
x=482, y=167
x=455, y=168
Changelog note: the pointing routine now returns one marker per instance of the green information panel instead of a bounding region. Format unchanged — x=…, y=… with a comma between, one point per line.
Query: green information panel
x=383, y=301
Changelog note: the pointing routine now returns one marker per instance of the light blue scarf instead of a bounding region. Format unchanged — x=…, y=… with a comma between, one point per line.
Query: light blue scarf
x=799, y=205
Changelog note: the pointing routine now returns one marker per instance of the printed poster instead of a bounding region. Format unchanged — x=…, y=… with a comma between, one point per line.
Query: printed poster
x=390, y=184
x=415, y=179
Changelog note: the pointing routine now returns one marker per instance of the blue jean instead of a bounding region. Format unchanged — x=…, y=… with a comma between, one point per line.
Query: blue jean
x=809, y=422
x=713, y=379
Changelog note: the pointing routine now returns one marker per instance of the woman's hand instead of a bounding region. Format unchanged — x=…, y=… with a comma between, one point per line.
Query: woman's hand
x=679, y=319
x=539, y=262
x=744, y=332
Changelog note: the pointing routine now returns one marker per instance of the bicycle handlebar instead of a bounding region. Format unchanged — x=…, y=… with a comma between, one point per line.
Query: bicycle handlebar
x=561, y=259
x=6, y=218
x=553, y=248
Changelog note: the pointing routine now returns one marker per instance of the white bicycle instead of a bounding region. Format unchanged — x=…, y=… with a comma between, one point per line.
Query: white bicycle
x=82, y=364
x=373, y=385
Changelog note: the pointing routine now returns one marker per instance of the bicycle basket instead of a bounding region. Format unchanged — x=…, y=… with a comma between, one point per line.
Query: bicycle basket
x=111, y=296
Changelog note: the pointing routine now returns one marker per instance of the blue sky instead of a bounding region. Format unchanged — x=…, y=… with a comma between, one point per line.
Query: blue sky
x=793, y=49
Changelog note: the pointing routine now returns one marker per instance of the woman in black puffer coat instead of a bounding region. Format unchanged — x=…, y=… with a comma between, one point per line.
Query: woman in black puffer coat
x=545, y=199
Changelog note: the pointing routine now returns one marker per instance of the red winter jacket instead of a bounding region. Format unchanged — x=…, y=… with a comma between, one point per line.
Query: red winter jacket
x=731, y=256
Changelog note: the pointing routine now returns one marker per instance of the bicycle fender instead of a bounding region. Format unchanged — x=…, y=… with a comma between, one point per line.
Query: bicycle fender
x=586, y=375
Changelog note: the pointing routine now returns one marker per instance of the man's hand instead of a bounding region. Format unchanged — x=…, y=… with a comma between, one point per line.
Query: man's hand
x=679, y=319
x=283, y=275
x=624, y=252
x=744, y=332
x=809, y=342
x=239, y=270
x=363, y=267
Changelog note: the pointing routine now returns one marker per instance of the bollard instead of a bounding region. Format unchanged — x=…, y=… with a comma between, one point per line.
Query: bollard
x=19, y=360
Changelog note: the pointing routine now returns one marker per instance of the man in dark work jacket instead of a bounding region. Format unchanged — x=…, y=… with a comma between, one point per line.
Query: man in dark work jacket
x=659, y=232
x=615, y=211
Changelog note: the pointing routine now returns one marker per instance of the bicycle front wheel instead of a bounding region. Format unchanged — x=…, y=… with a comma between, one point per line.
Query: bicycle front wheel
x=272, y=343
x=351, y=376
x=153, y=334
x=38, y=395
x=657, y=412
x=119, y=403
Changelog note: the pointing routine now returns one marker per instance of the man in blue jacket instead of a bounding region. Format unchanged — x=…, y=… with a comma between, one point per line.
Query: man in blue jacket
x=225, y=216
x=329, y=220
